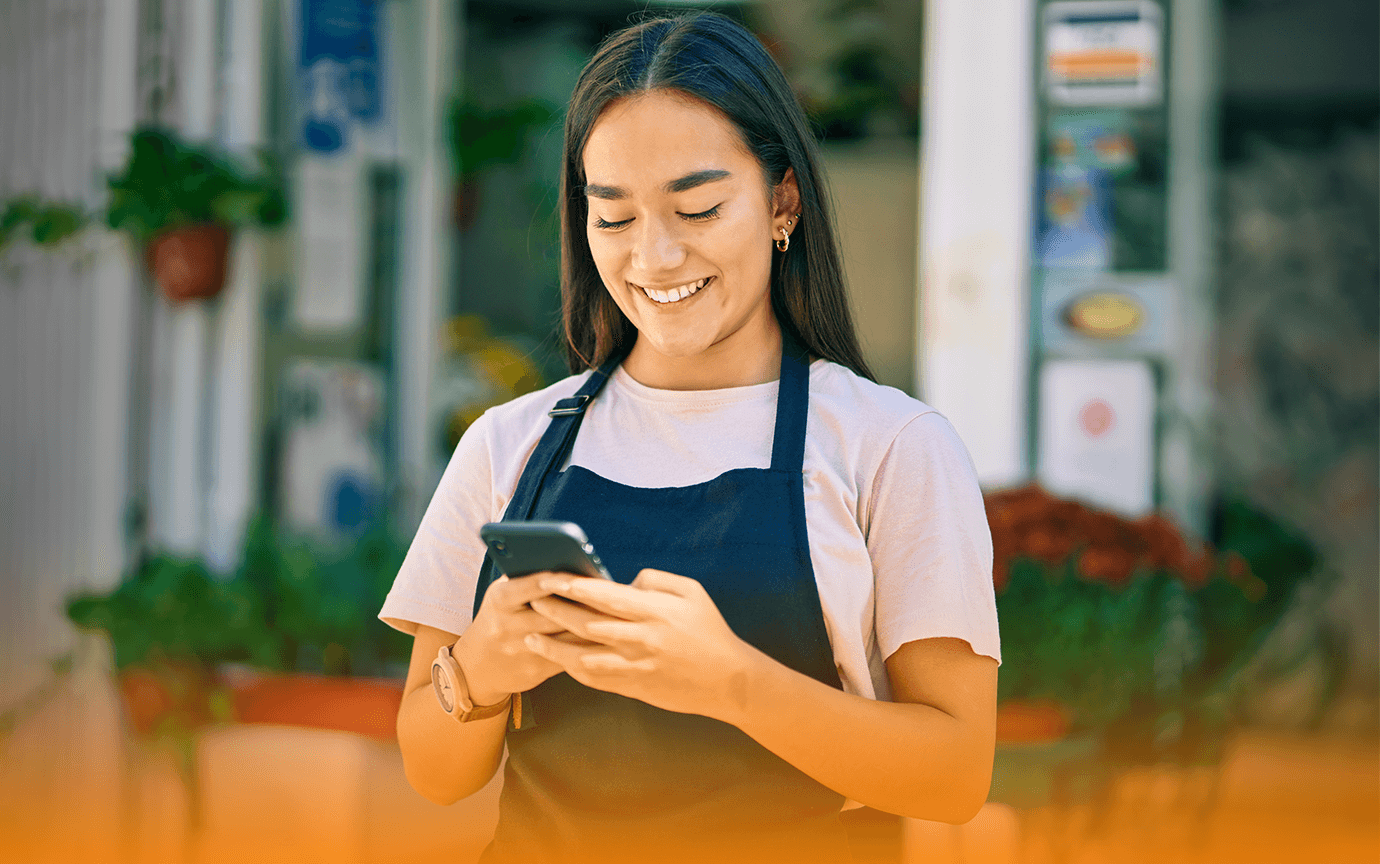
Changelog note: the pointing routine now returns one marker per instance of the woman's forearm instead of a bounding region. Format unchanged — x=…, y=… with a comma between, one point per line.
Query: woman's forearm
x=906, y=758
x=445, y=760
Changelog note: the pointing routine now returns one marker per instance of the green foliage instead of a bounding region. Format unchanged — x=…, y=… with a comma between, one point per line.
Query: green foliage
x=49, y=223
x=480, y=138
x=1155, y=665
x=291, y=606
x=168, y=182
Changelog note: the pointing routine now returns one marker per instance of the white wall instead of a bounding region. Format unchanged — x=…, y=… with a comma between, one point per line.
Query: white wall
x=67, y=97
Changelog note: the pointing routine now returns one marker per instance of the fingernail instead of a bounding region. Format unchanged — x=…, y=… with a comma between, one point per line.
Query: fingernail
x=532, y=641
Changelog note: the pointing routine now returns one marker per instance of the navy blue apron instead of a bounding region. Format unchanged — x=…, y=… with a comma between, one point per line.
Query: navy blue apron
x=596, y=776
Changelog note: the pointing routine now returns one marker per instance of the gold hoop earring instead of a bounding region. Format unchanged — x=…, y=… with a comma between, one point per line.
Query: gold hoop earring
x=785, y=242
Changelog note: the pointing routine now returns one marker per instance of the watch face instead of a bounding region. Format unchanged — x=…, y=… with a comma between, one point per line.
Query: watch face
x=445, y=688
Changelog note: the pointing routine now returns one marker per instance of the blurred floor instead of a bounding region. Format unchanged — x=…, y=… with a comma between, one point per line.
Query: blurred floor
x=270, y=794
x=1281, y=797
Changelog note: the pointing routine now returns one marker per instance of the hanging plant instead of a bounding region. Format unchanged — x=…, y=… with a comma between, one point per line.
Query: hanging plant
x=480, y=138
x=46, y=224
x=180, y=203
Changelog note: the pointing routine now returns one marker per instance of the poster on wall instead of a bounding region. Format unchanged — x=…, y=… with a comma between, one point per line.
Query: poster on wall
x=1086, y=313
x=1074, y=223
x=337, y=71
x=1103, y=52
x=332, y=457
x=1097, y=433
x=339, y=75
x=329, y=290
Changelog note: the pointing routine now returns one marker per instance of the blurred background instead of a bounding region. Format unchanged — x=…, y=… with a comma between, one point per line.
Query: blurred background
x=263, y=261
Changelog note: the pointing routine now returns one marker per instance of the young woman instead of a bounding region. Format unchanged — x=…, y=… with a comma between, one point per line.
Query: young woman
x=802, y=610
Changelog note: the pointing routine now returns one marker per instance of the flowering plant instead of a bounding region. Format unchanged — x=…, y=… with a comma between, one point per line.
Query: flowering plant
x=1144, y=635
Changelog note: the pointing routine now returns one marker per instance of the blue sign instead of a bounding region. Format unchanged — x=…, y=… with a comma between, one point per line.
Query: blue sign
x=1075, y=218
x=338, y=70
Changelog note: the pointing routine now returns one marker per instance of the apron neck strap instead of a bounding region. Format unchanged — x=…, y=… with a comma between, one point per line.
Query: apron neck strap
x=792, y=406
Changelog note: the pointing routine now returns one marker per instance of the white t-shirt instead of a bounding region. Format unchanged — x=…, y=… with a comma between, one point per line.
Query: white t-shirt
x=898, y=534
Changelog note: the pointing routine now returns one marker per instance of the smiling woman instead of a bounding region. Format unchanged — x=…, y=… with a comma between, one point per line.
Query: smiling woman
x=801, y=609
x=678, y=207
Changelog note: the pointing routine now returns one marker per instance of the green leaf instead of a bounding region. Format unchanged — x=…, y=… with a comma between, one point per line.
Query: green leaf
x=169, y=182
x=57, y=222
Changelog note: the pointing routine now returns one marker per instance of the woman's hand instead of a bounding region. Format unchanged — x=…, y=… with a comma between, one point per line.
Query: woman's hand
x=493, y=651
x=660, y=640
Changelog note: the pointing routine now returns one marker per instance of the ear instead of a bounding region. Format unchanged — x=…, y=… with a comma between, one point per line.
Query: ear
x=786, y=203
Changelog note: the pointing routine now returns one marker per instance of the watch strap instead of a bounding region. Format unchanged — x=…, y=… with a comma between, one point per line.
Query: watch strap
x=479, y=712
x=464, y=709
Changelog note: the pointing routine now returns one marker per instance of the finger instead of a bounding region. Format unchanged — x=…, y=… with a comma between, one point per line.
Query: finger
x=565, y=654
x=571, y=639
x=566, y=614
x=578, y=659
x=667, y=583
x=513, y=594
x=611, y=598
x=611, y=632
x=605, y=663
x=532, y=621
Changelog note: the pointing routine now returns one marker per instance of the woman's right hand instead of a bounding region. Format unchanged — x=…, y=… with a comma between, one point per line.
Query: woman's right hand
x=492, y=652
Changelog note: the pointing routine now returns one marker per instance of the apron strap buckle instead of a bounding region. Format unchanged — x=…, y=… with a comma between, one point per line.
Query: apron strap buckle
x=569, y=407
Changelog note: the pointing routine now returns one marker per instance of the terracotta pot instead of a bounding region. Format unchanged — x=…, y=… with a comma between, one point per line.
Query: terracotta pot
x=153, y=694
x=368, y=706
x=190, y=263
x=1019, y=721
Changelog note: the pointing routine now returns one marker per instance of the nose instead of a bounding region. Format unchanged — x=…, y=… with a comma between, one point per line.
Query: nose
x=657, y=247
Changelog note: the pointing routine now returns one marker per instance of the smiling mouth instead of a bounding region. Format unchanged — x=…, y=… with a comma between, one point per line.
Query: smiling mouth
x=675, y=295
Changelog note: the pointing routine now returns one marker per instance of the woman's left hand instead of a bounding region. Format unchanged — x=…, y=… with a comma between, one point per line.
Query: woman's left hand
x=660, y=640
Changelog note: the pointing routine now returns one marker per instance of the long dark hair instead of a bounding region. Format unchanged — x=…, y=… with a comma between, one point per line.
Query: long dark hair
x=715, y=60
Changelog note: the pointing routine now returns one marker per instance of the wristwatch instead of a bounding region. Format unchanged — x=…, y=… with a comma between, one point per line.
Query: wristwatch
x=452, y=691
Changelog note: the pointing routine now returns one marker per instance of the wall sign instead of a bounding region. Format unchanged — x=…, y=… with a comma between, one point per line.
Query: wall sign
x=1089, y=314
x=1104, y=315
x=338, y=70
x=1103, y=52
x=1074, y=224
x=1097, y=424
x=332, y=461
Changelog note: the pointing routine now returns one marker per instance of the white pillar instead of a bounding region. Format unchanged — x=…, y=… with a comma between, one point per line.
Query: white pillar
x=234, y=445
x=1186, y=471
x=115, y=294
x=178, y=402
x=976, y=162
x=435, y=25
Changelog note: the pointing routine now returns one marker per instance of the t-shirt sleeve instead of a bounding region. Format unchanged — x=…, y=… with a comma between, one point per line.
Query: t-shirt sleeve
x=435, y=585
x=930, y=544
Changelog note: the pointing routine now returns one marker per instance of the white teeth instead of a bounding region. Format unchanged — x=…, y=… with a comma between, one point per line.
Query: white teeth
x=675, y=294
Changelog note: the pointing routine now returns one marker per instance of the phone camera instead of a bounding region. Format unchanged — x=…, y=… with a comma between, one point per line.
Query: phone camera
x=500, y=548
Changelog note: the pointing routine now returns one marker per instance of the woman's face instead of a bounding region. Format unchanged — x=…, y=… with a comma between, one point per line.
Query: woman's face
x=681, y=225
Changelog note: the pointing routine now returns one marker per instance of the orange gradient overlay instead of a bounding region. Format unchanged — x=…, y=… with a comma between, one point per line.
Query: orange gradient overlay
x=276, y=794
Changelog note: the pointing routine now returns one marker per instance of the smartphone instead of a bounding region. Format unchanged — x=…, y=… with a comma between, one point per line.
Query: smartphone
x=520, y=548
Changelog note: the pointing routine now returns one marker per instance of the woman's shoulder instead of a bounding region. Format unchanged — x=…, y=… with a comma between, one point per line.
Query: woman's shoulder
x=864, y=409
x=528, y=411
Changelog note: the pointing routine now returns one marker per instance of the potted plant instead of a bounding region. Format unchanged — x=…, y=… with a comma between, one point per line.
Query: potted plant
x=180, y=203
x=1126, y=634
x=290, y=638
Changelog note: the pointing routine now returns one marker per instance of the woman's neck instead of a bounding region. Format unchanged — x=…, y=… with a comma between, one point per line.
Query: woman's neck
x=741, y=360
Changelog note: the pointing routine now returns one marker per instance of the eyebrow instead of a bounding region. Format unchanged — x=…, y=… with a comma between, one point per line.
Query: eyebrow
x=682, y=184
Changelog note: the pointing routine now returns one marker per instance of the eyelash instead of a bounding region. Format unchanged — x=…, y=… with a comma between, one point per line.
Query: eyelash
x=705, y=216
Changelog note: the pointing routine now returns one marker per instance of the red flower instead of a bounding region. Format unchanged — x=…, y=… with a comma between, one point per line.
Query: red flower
x=1028, y=522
